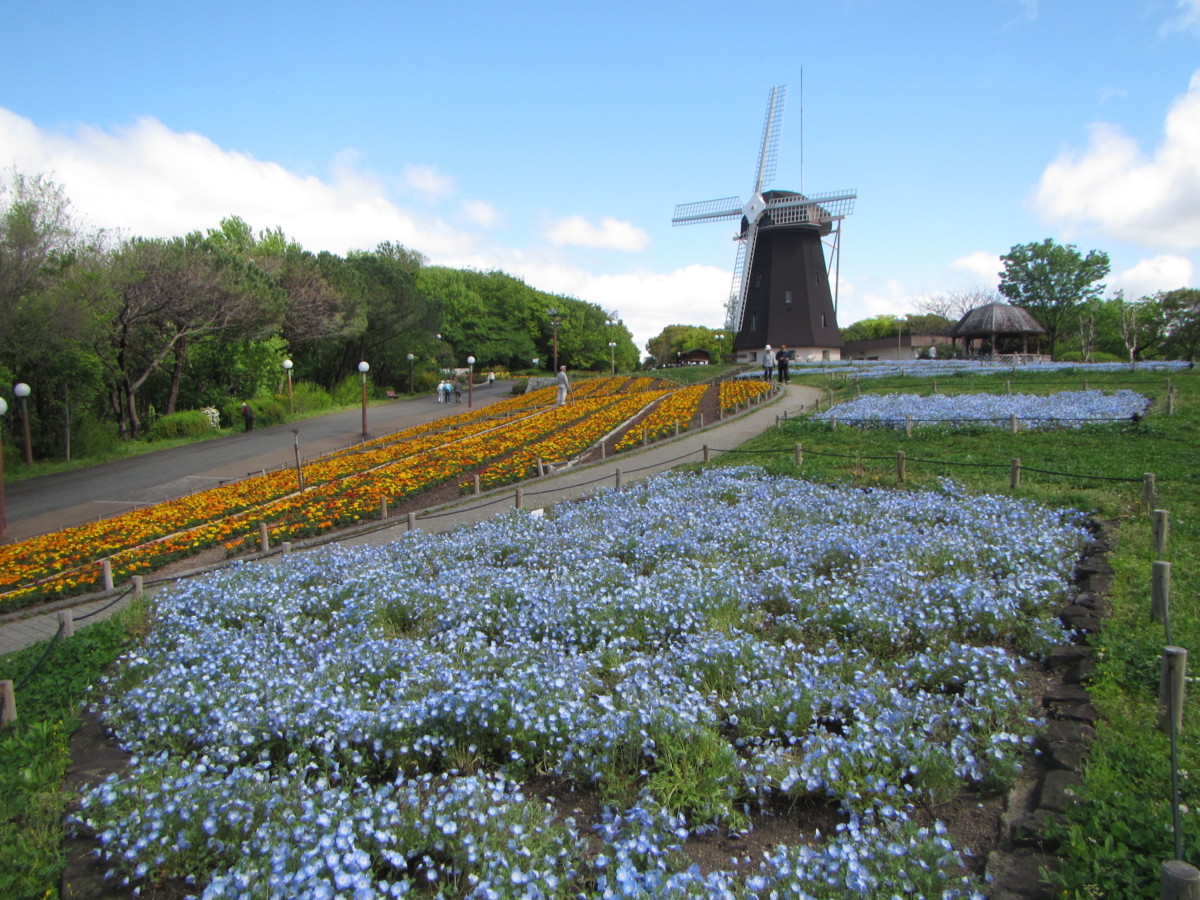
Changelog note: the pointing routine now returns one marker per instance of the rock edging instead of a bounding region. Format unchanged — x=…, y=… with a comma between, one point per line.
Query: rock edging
x=1042, y=799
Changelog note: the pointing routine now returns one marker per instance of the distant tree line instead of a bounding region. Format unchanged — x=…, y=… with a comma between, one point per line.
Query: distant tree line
x=113, y=334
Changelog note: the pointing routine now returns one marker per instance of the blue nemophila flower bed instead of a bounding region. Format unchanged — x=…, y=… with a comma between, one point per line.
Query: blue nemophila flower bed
x=938, y=368
x=368, y=722
x=1064, y=409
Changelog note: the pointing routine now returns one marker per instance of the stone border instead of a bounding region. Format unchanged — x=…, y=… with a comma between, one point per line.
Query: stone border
x=1041, y=799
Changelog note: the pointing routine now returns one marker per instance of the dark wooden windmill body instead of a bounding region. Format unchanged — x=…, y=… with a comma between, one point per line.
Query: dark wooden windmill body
x=781, y=293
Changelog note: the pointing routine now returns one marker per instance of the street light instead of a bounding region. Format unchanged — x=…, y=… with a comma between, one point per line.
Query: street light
x=3, y=515
x=555, y=321
x=470, y=378
x=287, y=367
x=612, y=356
x=410, y=374
x=21, y=389
x=363, y=368
x=720, y=348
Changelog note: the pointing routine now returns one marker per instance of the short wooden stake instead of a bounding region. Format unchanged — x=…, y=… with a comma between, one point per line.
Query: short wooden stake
x=412, y=521
x=264, y=540
x=799, y=455
x=285, y=548
x=139, y=587
x=1014, y=473
x=602, y=451
x=1149, y=490
x=8, y=703
x=106, y=574
x=701, y=420
x=676, y=428
x=618, y=477
x=1170, y=403
x=1179, y=880
x=540, y=469
x=476, y=486
x=908, y=426
x=519, y=501
x=1160, y=593
x=900, y=464
x=833, y=423
x=1162, y=532
x=706, y=453
x=1085, y=384
x=1170, y=688
x=383, y=510
x=1014, y=423
x=66, y=623
x=1007, y=386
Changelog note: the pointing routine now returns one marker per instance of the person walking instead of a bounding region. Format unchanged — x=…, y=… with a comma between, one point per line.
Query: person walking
x=457, y=391
x=781, y=364
x=564, y=385
x=248, y=416
x=768, y=363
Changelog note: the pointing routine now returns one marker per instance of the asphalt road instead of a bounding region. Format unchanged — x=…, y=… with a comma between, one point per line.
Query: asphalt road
x=51, y=502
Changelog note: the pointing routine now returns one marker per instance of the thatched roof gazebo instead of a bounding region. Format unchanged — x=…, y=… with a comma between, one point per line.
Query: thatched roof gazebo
x=993, y=322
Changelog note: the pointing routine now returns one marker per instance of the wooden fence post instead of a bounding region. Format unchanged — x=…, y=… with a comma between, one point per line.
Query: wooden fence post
x=476, y=486
x=1160, y=593
x=1014, y=424
x=1170, y=688
x=264, y=541
x=8, y=703
x=900, y=464
x=1162, y=532
x=799, y=455
x=1179, y=880
x=66, y=622
x=908, y=426
x=618, y=478
x=1149, y=490
x=412, y=521
x=139, y=587
x=1014, y=473
x=106, y=574
x=383, y=510
x=520, y=498
x=706, y=453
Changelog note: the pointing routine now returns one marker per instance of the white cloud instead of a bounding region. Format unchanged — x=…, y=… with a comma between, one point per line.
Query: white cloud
x=610, y=234
x=982, y=265
x=147, y=180
x=480, y=213
x=428, y=180
x=1150, y=201
x=1188, y=19
x=1148, y=276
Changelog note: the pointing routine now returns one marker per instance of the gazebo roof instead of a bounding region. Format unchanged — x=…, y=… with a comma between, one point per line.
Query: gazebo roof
x=996, y=318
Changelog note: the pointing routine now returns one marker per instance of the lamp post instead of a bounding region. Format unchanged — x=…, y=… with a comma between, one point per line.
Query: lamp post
x=410, y=358
x=555, y=321
x=287, y=367
x=3, y=514
x=363, y=368
x=470, y=378
x=21, y=389
x=612, y=348
x=720, y=348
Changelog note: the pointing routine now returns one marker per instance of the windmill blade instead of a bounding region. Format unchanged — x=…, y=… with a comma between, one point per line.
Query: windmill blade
x=793, y=209
x=769, y=151
x=707, y=211
x=741, y=278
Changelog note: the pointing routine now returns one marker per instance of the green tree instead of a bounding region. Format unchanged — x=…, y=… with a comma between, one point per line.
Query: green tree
x=1181, y=322
x=1051, y=280
x=673, y=340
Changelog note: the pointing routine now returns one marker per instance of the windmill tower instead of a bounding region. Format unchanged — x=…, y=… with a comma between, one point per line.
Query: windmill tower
x=780, y=294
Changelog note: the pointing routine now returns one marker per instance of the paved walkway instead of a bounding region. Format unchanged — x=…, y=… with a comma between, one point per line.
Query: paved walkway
x=18, y=630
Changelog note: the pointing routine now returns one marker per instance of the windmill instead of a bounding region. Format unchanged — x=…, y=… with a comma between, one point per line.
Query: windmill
x=780, y=294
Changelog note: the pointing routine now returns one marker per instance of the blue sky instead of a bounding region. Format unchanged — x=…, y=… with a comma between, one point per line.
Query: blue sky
x=553, y=140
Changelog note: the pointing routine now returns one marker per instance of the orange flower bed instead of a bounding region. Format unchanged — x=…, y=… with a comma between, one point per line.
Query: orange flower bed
x=677, y=407
x=735, y=393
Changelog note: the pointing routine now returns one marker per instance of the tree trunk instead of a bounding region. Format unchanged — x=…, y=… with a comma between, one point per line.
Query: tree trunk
x=176, y=375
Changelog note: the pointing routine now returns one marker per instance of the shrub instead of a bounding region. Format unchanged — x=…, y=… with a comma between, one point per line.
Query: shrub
x=189, y=423
x=94, y=437
x=309, y=398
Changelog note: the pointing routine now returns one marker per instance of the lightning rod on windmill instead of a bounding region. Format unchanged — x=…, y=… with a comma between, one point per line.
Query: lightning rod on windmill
x=780, y=296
